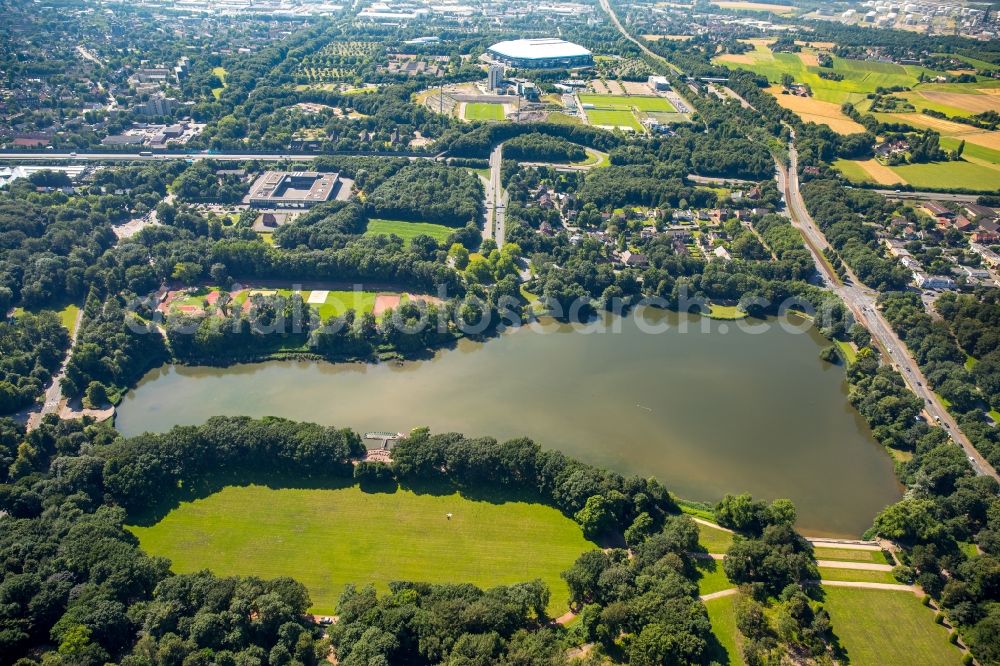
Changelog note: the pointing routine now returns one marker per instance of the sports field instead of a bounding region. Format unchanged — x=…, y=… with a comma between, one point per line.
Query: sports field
x=640, y=102
x=613, y=118
x=887, y=627
x=327, y=538
x=335, y=303
x=407, y=230
x=483, y=111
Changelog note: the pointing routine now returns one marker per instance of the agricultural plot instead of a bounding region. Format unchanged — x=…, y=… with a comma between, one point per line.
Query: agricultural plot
x=484, y=111
x=408, y=230
x=327, y=538
x=812, y=110
x=947, y=128
x=978, y=175
x=860, y=76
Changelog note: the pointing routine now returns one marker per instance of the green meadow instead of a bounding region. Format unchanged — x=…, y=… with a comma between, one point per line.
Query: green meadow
x=328, y=538
x=408, y=230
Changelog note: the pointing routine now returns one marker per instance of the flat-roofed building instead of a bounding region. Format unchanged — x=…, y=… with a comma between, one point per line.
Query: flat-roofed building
x=292, y=189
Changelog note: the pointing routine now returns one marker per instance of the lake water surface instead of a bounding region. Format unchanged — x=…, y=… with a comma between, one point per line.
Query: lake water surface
x=707, y=411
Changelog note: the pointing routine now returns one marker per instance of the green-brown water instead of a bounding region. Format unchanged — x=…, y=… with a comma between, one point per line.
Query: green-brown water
x=707, y=411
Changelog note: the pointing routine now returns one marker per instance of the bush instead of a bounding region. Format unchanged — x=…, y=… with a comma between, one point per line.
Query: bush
x=905, y=575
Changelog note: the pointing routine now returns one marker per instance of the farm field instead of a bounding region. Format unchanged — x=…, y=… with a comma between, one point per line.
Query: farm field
x=613, y=118
x=483, y=111
x=860, y=76
x=867, y=171
x=947, y=128
x=951, y=174
x=328, y=538
x=887, y=627
x=407, y=230
x=813, y=110
x=974, y=175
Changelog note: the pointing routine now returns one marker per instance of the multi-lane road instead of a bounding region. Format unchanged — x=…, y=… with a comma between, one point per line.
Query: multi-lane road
x=862, y=302
x=496, y=200
x=160, y=157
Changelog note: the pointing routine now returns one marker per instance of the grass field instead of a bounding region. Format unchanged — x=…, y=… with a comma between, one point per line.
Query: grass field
x=850, y=354
x=407, y=230
x=850, y=555
x=714, y=540
x=483, y=111
x=721, y=614
x=730, y=312
x=711, y=577
x=221, y=73
x=339, y=302
x=66, y=314
x=857, y=575
x=980, y=174
x=613, y=118
x=950, y=174
x=327, y=538
x=886, y=628
x=640, y=102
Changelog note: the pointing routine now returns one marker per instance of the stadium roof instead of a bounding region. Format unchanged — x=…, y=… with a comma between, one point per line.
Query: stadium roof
x=539, y=48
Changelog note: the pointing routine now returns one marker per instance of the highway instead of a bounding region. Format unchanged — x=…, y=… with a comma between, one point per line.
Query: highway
x=496, y=200
x=193, y=155
x=862, y=302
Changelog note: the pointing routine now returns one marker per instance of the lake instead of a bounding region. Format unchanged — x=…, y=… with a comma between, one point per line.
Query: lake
x=707, y=410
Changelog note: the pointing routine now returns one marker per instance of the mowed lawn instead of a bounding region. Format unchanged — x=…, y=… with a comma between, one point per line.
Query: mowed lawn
x=339, y=302
x=885, y=627
x=328, y=538
x=723, y=618
x=613, y=118
x=641, y=102
x=408, y=230
x=483, y=111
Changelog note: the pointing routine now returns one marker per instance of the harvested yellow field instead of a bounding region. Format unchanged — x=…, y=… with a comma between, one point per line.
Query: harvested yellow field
x=989, y=91
x=739, y=58
x=948, y=128
x=755, y=6
x=809, y=58
x=969, y=102
x=812, y=110
x=880, y=173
